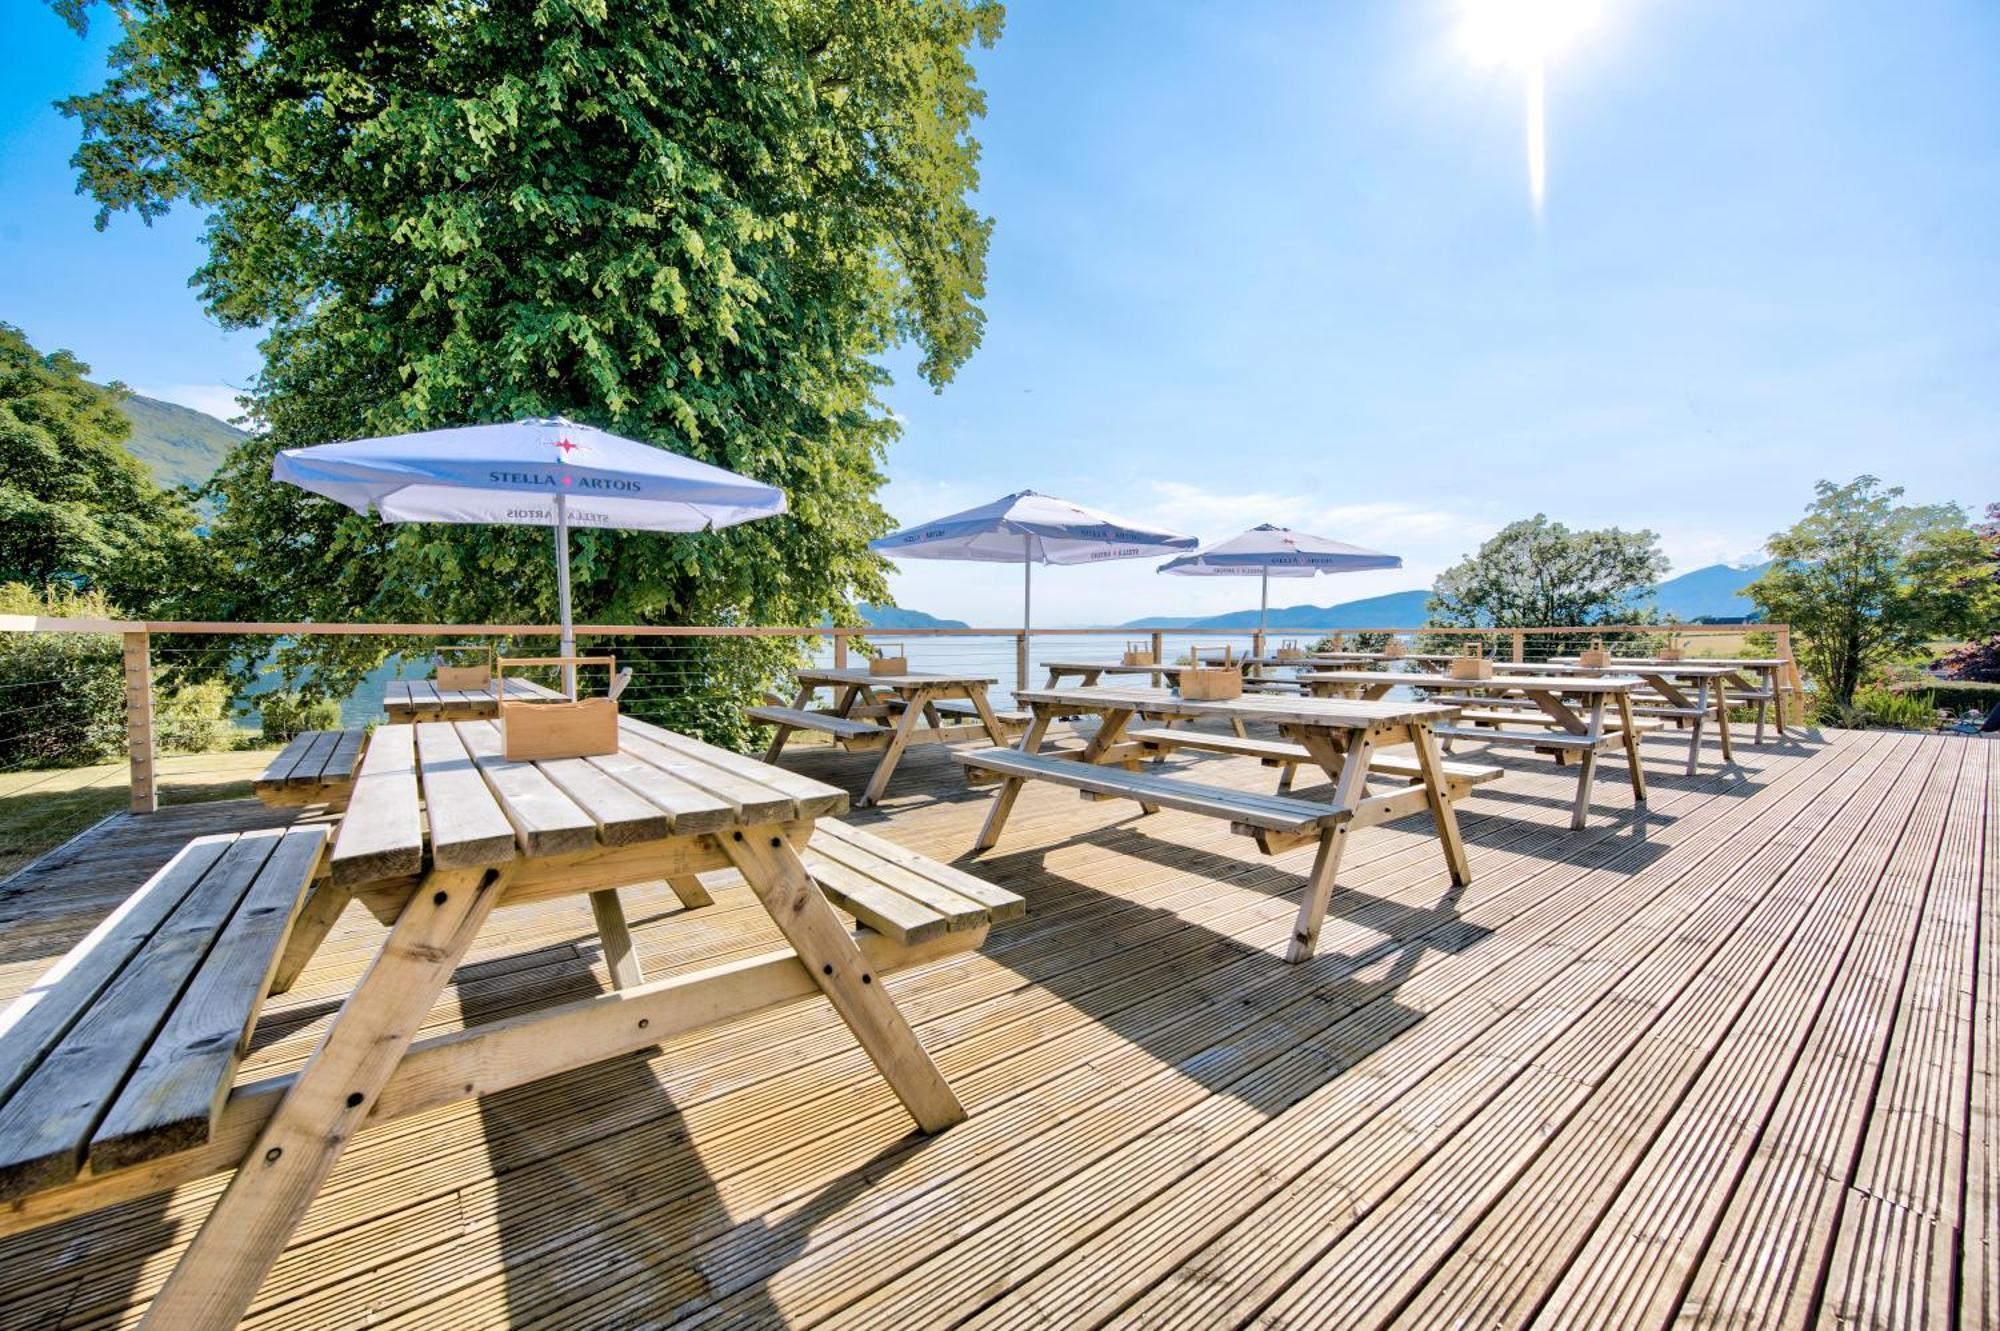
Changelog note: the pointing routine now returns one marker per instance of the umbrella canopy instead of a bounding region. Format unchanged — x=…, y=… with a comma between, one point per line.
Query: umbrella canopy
x=1270, y=551
x=1028, y=529
x=548, y=472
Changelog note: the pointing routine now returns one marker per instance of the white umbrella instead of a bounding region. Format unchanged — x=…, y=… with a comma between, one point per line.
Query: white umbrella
x=1030, y=529
x=549, y=472
x=1268, y=552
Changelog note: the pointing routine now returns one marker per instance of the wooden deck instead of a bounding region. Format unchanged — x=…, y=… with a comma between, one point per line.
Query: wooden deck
x=1729, y=1061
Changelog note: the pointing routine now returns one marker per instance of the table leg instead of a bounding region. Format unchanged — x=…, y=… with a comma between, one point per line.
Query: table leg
x=1350, y=781
x=1443, y=812
x=1694, y=731
x=616, y=936
x=244, y=1235
x=1587, y=760
x=1637, y=772
x=779, y=878
x=983, y=708
x=1774, y=685
x=1722, y=721
x=914, y=708
x=316, y=919
x=1010, y=789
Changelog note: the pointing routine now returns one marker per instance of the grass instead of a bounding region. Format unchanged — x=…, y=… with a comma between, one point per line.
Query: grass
x=41, y=810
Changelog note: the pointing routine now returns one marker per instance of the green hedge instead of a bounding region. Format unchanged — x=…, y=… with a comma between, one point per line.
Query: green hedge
x=1956, y=696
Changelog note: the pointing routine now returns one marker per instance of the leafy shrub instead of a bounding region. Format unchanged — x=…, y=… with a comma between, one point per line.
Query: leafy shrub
x=193, y=718
x=1875, y=705
x=1953, y=697
x=1976, y=662
x=62, y=695
x=283, y=714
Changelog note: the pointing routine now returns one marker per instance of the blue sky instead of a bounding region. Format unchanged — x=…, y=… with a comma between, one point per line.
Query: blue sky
x=1281, y=263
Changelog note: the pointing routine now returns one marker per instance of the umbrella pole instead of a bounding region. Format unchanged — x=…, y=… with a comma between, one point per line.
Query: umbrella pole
x=1023, y=665
x=1263, y=608
x=562, y=591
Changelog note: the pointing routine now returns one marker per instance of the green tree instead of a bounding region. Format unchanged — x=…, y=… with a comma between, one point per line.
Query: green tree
x=1862, y=579
x=75, y=507
x=697, y=222
x=1537, y=572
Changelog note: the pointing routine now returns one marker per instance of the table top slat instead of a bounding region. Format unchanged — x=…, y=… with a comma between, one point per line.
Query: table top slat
x=1563, y=683
x=622, y=816
x=688, y=807
x=546, y=821
x=468, y=826
x=810, y=798
x=914, y=679
x=382, y=833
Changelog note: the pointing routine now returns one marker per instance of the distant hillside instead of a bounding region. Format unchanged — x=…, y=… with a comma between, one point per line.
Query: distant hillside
x=897, y=617
x=179, y=445
x=1710, y=593
x=1392, y=610
x=1704, y=593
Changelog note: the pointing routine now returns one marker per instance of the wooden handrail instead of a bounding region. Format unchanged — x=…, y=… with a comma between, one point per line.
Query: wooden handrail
x=287, y=628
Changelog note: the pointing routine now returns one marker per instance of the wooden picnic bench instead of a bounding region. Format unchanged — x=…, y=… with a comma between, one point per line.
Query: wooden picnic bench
x=1534, y=711
x=439, y=832
x=314, y=767
x=1343, y=738
x=1766, y=690
x=1664, y=695
x=125, y=1049
x=889, y=712
x=423, y=700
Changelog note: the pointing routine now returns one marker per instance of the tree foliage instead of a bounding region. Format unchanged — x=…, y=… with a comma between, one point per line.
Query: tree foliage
x=1536, y=572
x=75, y=507
x=1979, y=660
x=696, y=222
x=1862, y=578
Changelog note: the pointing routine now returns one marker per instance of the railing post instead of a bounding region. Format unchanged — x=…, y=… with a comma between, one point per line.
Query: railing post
x=1021, y=660
x=1520, y=646
x=1793, y=684
x=839, y=650
x=139, y=720
x=1257, y=643
x=1159, y=648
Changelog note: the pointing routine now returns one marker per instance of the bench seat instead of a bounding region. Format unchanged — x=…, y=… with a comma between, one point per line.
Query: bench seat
x=846, y=731
x=898, y=893
x=1278, y=752
x=125, y=1050
x=315, y=767
x=962, y=707
x=1245, y=810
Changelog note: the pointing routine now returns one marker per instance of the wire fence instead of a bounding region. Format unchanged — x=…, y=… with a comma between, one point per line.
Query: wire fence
x=99, y=717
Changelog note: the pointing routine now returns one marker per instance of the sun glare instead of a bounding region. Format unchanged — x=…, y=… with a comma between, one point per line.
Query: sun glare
x=1527, y=35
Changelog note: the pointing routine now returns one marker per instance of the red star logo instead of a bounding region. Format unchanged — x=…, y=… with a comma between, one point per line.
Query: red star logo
x=566, y=446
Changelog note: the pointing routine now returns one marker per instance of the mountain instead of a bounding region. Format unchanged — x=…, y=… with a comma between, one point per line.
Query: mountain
x=1710, y=593
x=1713, y=592
x=179, y=445
x=897, y=617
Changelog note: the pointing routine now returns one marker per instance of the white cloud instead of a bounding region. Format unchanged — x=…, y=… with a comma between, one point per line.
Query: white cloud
x=218, y=400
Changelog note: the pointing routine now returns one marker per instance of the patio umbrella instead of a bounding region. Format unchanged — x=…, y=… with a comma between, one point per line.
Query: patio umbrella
x=548, y=472
x=1030, y=529
x=1269, y=551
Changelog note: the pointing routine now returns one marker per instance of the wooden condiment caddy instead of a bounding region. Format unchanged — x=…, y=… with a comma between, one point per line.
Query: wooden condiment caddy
x=1394, y=650
x=532, y=729
x=1138, y=654
x=891, y=658
x=1675, y=650
x=1596, y=656
x=1289, y=650
x=477, y=674
x=1211, y=683
x=1473, y=666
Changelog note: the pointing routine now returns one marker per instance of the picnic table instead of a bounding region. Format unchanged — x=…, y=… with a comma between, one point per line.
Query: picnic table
x=887, y=712
x=1343, y=738
x=440, y=830
x=423, y=700
x=1665, y=694
x=1552, y=725
x=1766, y=690
x=1089, y=673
